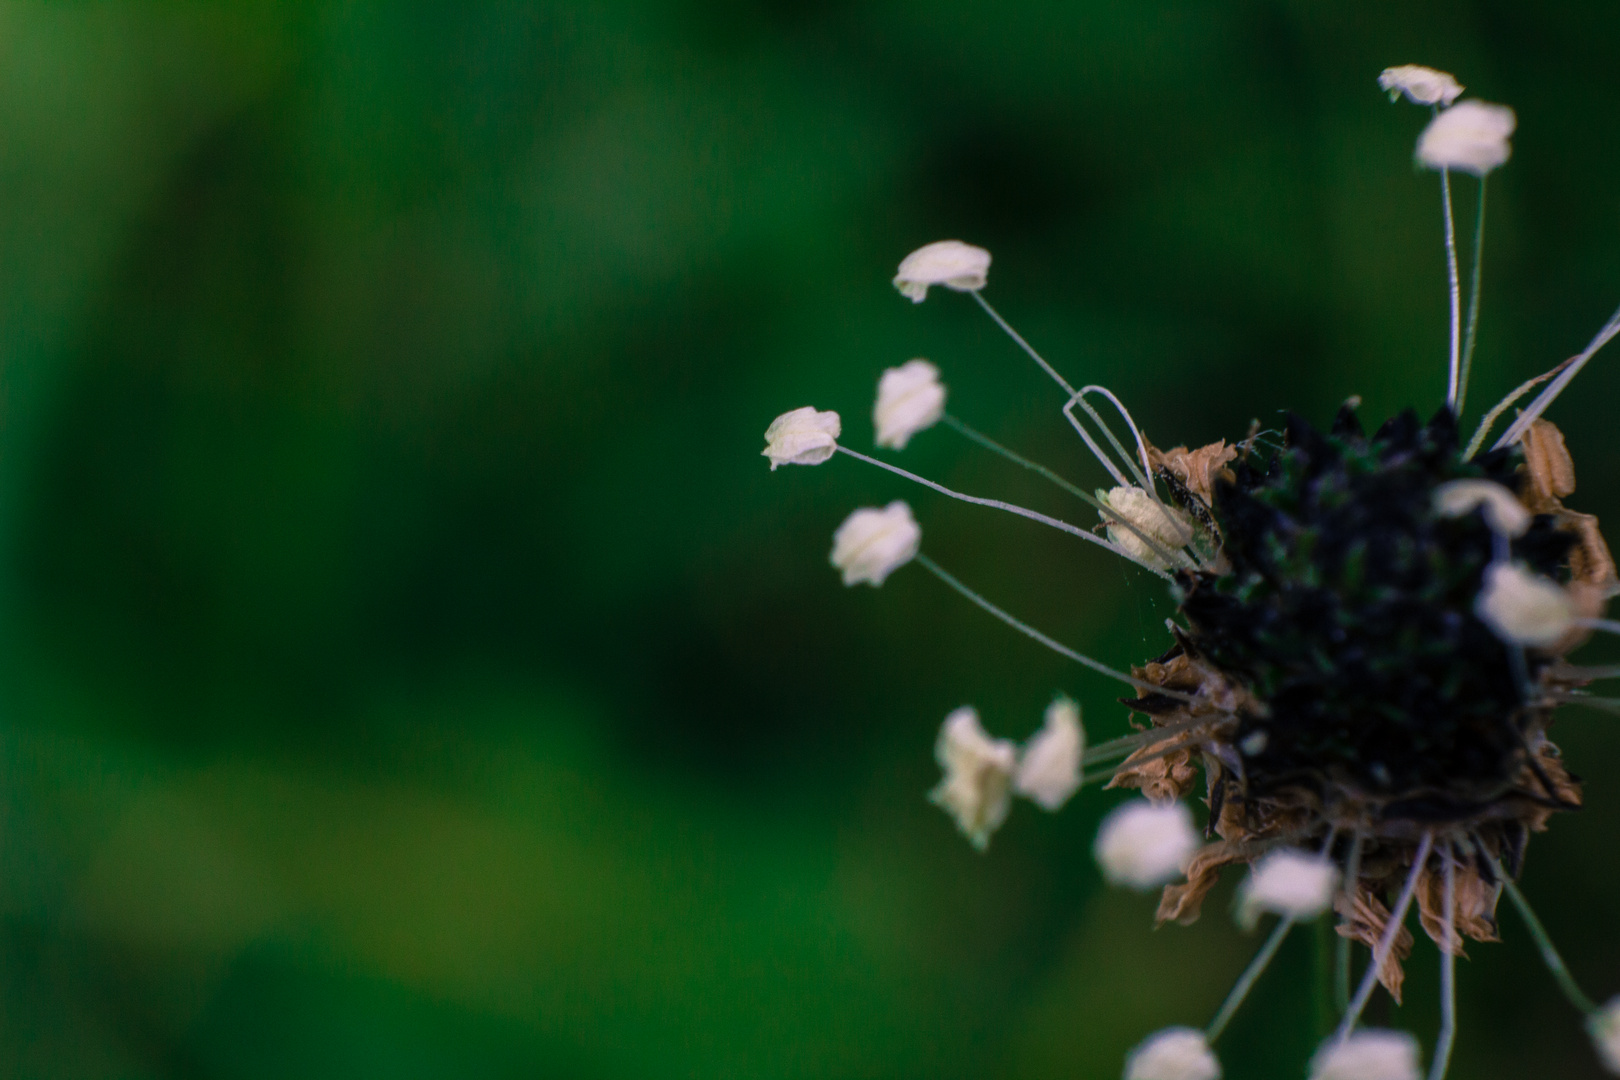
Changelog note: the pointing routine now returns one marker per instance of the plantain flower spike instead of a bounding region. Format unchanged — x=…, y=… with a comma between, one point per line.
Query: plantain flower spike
x=1470, y=137
x=871, y=544
x=1421, y=85
x=1523, y=607
x=1049, y=768
x=1505, y=514
x=910, y=398
x=802, y=437
x=1143, y=844
x=1176, y=1053
x=1292, y=884
x=1369, y=1054
x=976, y=788
x=950, y=263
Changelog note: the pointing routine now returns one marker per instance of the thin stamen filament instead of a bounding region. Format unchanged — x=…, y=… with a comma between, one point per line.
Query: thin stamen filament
x=1456, y=289
x=1549, y=395
x=1139, y=464
x=1549, y=952
x=1126, y=745
x=1162, y=752
x=1101, y=507
x=1448, y=976
x=1506, y=403
x=1341, y=957
x=1246, y=981
x=1022, y=344
x=1030, y=631
x=1473, y=300
x=1392, y=930
x=1033, y=515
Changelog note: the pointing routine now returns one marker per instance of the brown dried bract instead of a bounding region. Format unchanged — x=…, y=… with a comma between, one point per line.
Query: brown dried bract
x=1473, y=908
x=1364, y=919
x=1552, y=479
x=1183, y=903
x=1196, y=469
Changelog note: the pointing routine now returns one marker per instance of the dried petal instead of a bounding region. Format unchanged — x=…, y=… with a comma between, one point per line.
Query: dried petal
x=1196, y=469
x=1365, y=917
x=1184, y=903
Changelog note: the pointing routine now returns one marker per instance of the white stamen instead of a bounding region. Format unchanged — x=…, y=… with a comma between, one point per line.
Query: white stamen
x=1143, y=845
x=1505, y=514
x=909, y=398
x=1049, y=768
x=1371, y=1054
x=1523, y=607
x=1604, y=1026
x=871, y=544
x=978, y=772
x=1177, y=1053
x=1421, y=85
x=1289, y=883
x=802, y=437
x=1471, y=137
x=950, y=263
x=1167, y=526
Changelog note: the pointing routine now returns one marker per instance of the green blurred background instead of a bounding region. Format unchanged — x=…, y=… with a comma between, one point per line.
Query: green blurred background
x=410, y=667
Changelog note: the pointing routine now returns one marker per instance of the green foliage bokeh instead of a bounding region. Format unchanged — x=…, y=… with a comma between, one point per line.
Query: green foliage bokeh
x=410, y=667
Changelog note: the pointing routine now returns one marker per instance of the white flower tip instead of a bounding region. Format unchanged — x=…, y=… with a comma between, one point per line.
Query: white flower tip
x=802, y=437
x=1523, y=607
x=1143, y=845
x=909, y=398
x=1173, y=1054
x=1049, y=768
x=1142, y=518
x=1471, y=137
x=1421, y=85
x=1369, y=1054
x=950, y=263
x=1604, y=1026
x=1293, y=884
x=1505, y=514
x=978, y=773
x=871, y=544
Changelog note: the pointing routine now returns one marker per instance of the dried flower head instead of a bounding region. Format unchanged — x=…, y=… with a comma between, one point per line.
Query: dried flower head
x=1421, y=85
x=1367, y=653
x=976, y=789
x=1143, y=844
x=1471, y=136
x=910, y=398
x=1368, y=1055
x=950, y=263
x=871, y=544
x=802, y=437
x=1173, y=1054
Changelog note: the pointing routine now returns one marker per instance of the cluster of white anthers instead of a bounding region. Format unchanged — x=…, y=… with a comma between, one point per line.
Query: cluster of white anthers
x=1145, y=843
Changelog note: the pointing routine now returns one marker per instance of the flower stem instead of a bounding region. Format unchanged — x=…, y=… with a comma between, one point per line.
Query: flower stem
x=1549, y=953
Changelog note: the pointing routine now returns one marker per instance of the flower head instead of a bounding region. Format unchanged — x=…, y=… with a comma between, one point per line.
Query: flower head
x=1142, y=845
x=950, y=263
x=1471, y=137
x=1288, y=883
x=1169, y=528
x=1604, y=1026
x=871, y=544
x=978, y=774
x=1524, y=607
x=1049, y=768
x=802, y=437
x=1176, y=1053
x=1421, y=85
x=910, y=398
x=1505, y=514
x=1369, y=1054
